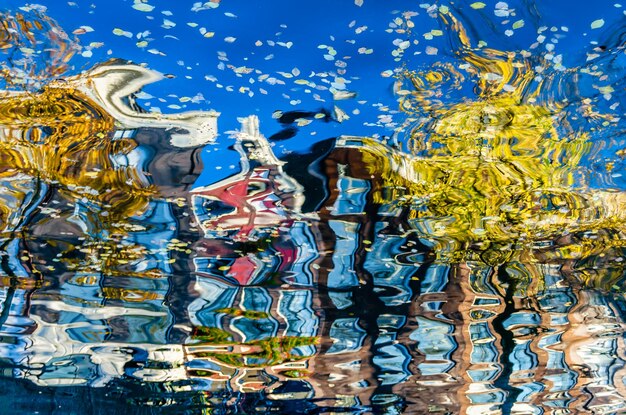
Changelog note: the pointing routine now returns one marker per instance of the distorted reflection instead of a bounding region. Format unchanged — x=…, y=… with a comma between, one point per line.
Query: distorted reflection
x=479, y=270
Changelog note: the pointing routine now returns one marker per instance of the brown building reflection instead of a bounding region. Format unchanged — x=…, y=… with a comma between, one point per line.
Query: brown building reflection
x=477, y=335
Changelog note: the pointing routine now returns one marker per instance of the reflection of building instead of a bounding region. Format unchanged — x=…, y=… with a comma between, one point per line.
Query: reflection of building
x=257, y=199
x=467, y=337
x=95, y=248
x=341, y=308
x=260, y=210
x=439, y=336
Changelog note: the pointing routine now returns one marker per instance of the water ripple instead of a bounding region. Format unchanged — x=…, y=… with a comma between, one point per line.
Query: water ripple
x=471, y=263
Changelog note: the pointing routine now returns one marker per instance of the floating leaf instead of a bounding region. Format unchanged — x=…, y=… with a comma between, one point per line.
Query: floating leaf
x=120, y=32
x=168, y=24
x=82, y=30
x=478, y=5
x=596, y=24
x=143, y=7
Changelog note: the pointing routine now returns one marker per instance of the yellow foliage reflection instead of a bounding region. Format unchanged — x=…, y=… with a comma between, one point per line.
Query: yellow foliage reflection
x=492, y=172
x=61, y=138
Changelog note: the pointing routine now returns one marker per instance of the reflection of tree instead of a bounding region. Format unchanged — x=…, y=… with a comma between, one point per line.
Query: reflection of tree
x=34, y=47
x=496, y=188
x=492, y=175
x=63, y=141
x=264, y=353
x=62, y=138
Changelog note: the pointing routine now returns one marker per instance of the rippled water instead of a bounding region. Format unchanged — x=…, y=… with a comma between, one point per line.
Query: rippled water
x=406, y=208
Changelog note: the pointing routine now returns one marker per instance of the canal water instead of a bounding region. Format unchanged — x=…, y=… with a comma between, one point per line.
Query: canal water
x=316, y=207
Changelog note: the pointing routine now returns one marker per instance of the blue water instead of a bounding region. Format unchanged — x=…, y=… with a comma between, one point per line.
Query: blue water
x=191, y=58
x=359, y=216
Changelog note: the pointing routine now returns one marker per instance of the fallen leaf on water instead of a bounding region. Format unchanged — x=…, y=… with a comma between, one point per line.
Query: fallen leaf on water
x=83, y=29
x=143, y=7
x=596, y=24
x=120, y=32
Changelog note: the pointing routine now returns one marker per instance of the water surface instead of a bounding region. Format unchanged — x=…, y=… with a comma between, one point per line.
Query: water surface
x=366, y=207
